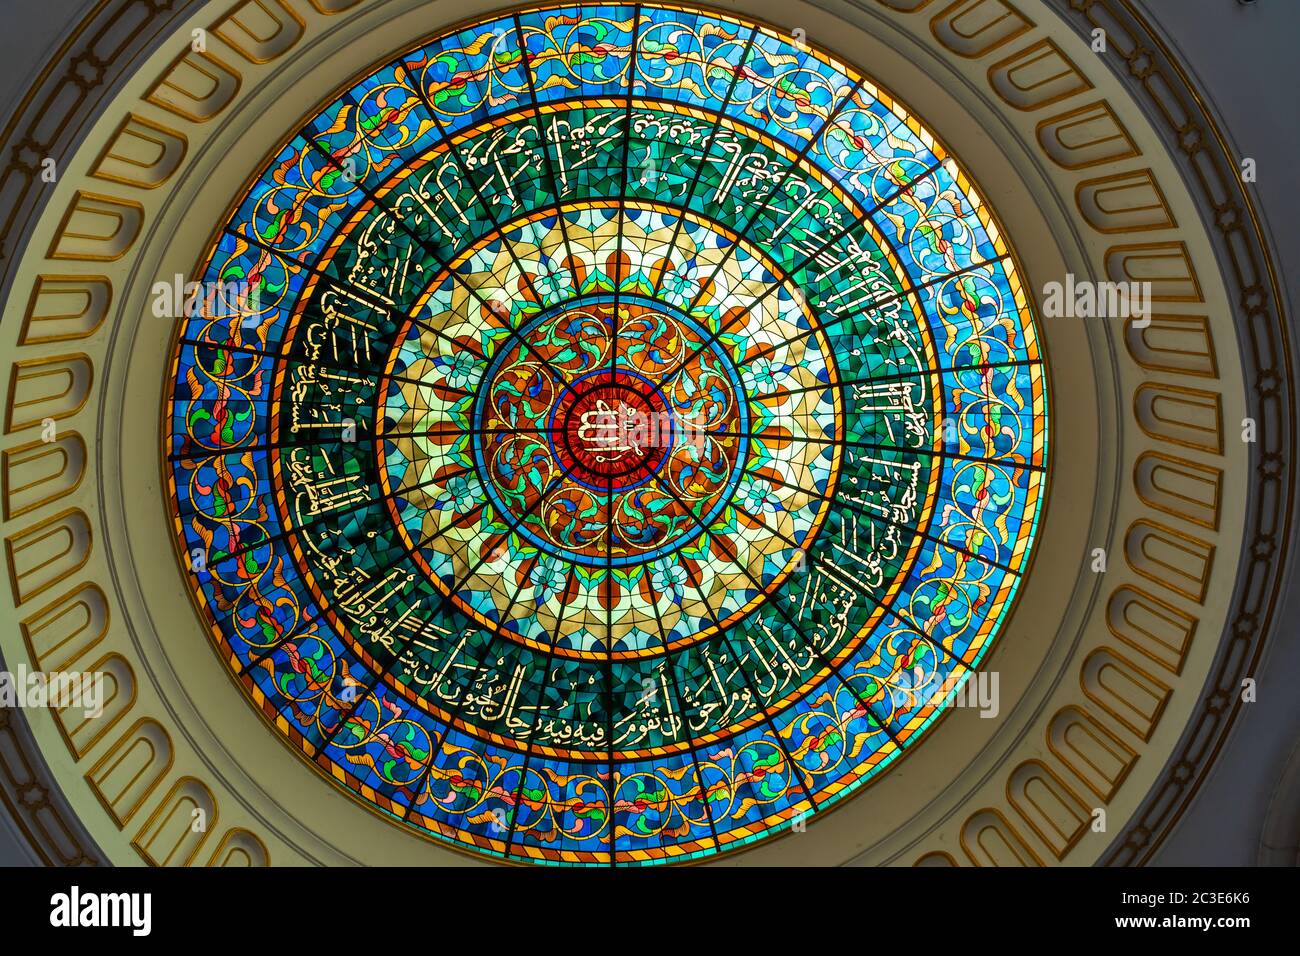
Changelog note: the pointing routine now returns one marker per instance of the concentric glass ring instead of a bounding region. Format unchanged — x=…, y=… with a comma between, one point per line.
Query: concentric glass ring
x=628, y=426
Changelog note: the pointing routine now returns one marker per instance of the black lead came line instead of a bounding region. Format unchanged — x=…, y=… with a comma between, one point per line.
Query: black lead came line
x=454, y=152
x=547, y=162
x=276, y=357
x=430, y=251
x=737, y=72
x=366, y=296
x=560, y=219
x=778, y=184
x=609, y=494
x=726, y=638
x=443, y=599
x=799, y=633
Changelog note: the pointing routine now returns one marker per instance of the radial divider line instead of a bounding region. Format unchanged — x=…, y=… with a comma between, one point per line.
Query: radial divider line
x=777, y=185
x=442, y=601
x=843, y=499
x=722, y=633
x=682, y=709
x=441, y=263
x=622, y=208
x=462, y=432
x=278, y=356
x=916, y=376
x=541, y=137
x=366, y=296
x=273, y=446
x=886, y=606
x=531, y=744
x=704, y=154
x=455, y=713
x=609, y=496
x=609, y=654
x=809, y=259
x=770, y=350
x=454, y=152
x=609, y=640
x=875, y=446
x=338, y=513
x=323, y=442
x=798, y=631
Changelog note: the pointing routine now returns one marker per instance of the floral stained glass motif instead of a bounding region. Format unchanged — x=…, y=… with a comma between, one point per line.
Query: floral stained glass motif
x=618, y=421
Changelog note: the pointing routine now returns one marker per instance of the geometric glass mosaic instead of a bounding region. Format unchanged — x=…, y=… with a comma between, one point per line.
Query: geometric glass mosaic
x=611, y=425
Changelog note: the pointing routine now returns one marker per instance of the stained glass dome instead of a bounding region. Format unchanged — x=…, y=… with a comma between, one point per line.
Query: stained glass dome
x=610, y=428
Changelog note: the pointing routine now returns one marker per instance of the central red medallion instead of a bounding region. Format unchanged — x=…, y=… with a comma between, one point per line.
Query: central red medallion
x=611, y=430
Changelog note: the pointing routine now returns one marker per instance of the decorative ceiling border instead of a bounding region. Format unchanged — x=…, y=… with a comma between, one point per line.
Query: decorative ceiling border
x=49, y=121
x=1202, y=151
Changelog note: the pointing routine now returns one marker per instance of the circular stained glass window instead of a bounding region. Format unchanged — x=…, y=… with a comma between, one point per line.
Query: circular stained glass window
x=607, y=434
